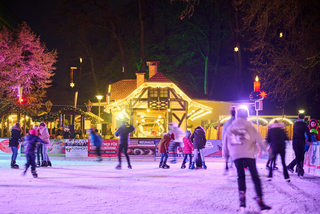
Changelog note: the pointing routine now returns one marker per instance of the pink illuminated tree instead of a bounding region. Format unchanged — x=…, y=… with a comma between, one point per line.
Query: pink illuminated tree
x=25, y=63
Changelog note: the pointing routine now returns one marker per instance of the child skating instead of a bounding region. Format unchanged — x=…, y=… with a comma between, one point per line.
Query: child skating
x=187, y=150
x=163, y=149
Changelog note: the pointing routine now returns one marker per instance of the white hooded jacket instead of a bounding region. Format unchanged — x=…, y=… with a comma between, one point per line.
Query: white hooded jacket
x=240, y=140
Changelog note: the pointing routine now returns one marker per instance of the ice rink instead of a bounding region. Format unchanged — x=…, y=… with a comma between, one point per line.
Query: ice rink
x=97, y=187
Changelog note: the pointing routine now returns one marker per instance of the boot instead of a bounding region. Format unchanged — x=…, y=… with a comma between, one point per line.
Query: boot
x=44, y=164
x=204, y=165
x=192, y=166
x=49, y=163
x=300, y=169
x=290, y=169
x=129, y=166
x=261, y=204
x=183, y=166
x=242, y=198
x=38, y=163
x=160, y=164
x=119, y=166
x=34, y=173
x=14, y=165
x=165, y=166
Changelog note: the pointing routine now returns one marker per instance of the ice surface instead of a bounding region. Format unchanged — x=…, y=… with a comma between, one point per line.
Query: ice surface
x=97, y=187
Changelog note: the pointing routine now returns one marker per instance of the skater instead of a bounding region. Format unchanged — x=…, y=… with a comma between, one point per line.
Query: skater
x=31, y=143
x=314, y=133
x=39, y=147
x=187, y=150
x=97, y=142
x=240, y=143
x=44, y=136
x=198, y=139
x=163, y=149
x=178, y=134
x=273, y=161
x=224, y=130
x=313, y=124
x=14, y=143
x=124, y=132
x=300, y=128
x=277, y=140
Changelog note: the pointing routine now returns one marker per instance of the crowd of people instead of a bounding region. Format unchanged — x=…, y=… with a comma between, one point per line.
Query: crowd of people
x=239, y=146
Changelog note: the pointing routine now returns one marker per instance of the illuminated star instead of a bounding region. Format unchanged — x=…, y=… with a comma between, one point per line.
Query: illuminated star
x=72, y=85
x=263, y=94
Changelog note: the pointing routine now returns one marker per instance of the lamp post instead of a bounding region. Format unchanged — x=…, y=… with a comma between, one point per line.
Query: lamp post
x=99, y=97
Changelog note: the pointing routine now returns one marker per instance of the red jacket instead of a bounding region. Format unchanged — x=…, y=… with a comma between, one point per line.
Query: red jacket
x=164, y=143
x=187, y=149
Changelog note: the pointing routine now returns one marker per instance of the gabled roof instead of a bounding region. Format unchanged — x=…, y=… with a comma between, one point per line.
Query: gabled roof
x=122, y=88
x=159, y=77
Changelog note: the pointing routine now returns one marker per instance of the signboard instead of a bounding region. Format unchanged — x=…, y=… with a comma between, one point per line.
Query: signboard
x=142, y=146
x=109, y=148
x=4, y=146
x=55, y=147
x=76, y=148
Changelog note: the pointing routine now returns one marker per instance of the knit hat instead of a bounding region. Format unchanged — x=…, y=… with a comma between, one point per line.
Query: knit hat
x=188, y=134
x=33, y=132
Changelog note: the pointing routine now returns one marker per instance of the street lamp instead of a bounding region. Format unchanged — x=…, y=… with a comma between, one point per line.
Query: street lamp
x=99, y=97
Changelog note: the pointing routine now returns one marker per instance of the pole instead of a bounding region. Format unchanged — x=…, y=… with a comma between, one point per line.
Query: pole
x=257, y=120
x=99, y=111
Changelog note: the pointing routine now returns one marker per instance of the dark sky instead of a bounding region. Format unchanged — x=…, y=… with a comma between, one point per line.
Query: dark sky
x=36, y=12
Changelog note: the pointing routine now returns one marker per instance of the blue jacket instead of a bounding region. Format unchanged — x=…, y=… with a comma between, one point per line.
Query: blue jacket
x=124, y=132
x=31, y=143
x=96, y=139
x=306, y=145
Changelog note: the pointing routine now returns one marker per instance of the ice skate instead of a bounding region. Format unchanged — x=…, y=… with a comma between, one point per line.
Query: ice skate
x=49, y=163
x=262, y=205
x=290, y=169
x=34, y=173
x=287, y=180
x=44, y=164
x=24, y=172
x=204, y=166
x=118, y=167
x=192, y=166
x=183, y=166
x=129, y=166
x=38, y=164
x=160, y=164
x=165, y=166
x=14, y=165
x=242, y=199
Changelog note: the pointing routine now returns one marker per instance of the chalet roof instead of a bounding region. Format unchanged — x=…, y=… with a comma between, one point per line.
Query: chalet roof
x=159, y=77
x=122, y=88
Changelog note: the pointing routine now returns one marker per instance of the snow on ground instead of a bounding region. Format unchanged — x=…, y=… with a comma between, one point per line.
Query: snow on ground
x=97, y=187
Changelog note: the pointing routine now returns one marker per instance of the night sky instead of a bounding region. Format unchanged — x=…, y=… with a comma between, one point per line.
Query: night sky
x=40, y=14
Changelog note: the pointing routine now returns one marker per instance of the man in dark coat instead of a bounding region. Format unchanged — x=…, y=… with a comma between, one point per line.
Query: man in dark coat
x=300, y=128
x=198, y=138
x=277, y=140
x=123, y=132
x=14, y=143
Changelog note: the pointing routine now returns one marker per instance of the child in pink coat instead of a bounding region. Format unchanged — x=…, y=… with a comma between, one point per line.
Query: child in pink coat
x=187, y=149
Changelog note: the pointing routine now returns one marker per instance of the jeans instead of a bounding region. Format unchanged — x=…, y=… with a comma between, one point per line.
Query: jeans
x=45, y=152
x=186, y=156
x=195, y=154
x=14, y=153
x=164, y=156
x=251, y=163
x=31, y=161
x=39, y=152
x=273, y=161
x=124, y=148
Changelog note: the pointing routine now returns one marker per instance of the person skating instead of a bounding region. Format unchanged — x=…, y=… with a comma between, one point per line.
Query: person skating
x=187, y=150
x=163, y=149
x=225, y=127
x=14, y=143
x=124, y=133
x=97, y=142
x=313, y=124
x=39, y=148
x=300, y=128
x=178, y=134
x=31, y=143
x=45, y=136
x=198, y=139
x=277, y=140
x=240, y=143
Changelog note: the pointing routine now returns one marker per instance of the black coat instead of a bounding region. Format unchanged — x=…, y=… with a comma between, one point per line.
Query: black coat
x=276, y=138
x=123, y=132
x=31, y=143
x=299, y=128
x=198, y=138
x=15, y=137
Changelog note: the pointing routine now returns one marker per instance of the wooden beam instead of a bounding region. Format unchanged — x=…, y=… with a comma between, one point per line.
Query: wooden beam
x=184, y=115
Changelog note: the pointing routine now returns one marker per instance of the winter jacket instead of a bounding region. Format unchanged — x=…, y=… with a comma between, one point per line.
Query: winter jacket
x=96, y=139
x=15, y=136
x=306, y=145
x=226, y=125
x=198, y=138
x=44, y=135
x=316, y=127
x=276, y=138
x=177, y=131
x=187, y=148
x=299, y=129
x=124, y=132
x=164, y=143
x=31, y=143
x=240, y=140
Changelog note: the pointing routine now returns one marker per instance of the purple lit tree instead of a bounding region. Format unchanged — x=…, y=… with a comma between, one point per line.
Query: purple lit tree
x=25, y=63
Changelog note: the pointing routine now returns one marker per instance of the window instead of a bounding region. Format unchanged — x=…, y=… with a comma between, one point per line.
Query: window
x=163, y=92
